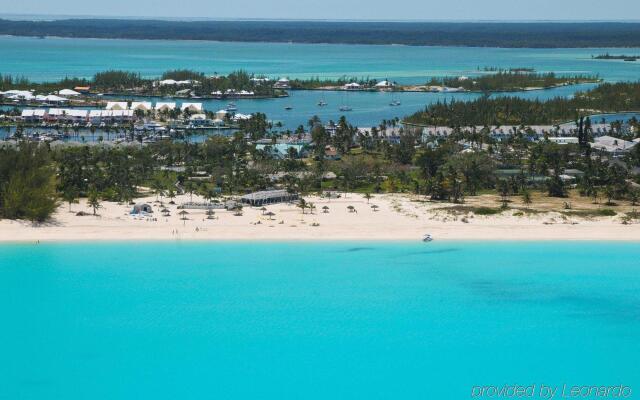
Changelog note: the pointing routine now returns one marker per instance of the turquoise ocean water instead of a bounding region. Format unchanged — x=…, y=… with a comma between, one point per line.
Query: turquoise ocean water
x=350, y=320
x=54, y=58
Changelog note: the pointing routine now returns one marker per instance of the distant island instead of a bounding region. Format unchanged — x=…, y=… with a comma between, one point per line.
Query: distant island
x=485, y=34
x=616, y=57
x=174, y=83
x=511, y=81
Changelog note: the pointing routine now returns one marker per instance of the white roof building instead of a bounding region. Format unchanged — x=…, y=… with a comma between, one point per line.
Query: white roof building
x=385, y=84
x=352, y=86
x=68, y=92
x=612, y=145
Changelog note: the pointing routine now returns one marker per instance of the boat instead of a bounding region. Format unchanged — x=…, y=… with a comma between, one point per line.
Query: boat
x=395, y=103
x=288, y=108
x=322, y=103
x=345, y=106
x=232, y=107
x=427, y=238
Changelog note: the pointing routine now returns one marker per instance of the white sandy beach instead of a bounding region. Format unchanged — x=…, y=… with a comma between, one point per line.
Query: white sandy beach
x=399, y=217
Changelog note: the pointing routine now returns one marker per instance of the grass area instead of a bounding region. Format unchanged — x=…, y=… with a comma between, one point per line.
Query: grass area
x=603, y=212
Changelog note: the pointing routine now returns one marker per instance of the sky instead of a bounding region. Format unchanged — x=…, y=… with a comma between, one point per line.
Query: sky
x=337, y=9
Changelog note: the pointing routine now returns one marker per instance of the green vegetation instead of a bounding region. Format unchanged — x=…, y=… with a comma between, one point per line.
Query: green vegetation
x=480, y=34
x=451, y=169
x=317, y=82
x=511, y=80
x=608, y=56
x=27, y=183
x=517, y=111
x=115, y=81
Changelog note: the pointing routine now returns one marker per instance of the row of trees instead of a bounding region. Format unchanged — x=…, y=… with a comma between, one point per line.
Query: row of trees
x=506, y=110
x=509, y=80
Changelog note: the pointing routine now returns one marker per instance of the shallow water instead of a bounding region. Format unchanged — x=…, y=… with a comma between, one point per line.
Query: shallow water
x=54, y=58
x=244, y=320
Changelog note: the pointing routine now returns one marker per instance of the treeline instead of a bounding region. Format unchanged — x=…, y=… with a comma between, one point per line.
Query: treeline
x=505, y=110
x=126, y=81
x=317, y=82
x=608, y=56
x=485, y=34
x=27, y=183
x=511, y=81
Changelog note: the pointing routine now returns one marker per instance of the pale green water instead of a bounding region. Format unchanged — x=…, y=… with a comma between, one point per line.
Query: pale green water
x=352, y=320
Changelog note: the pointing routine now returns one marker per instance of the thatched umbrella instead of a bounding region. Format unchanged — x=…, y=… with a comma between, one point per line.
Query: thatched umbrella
x=263, y=209
x=183, y=214
x=374, y=207
x=325, y=209
x=351, y=209
x=270, y=214
x=210, y=212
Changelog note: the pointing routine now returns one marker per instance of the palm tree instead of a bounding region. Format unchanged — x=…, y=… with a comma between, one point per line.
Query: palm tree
x=526, y=197
x=70, y=195
x=609, y=192
x=93, y=200
x=302, y=204
x=634, y=196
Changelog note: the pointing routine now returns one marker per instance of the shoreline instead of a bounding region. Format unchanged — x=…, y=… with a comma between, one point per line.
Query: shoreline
x=399, y=218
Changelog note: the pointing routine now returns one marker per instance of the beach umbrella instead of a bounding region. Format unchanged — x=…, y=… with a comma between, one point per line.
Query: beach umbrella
x=351, y=208
x=184, y=214
x=270, y=214
x=263, y=209
x=325, y=209
x=374, y=207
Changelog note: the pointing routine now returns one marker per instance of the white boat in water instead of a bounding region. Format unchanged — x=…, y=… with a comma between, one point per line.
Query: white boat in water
x=232, y=107
x=346, y=108
x=427, y=238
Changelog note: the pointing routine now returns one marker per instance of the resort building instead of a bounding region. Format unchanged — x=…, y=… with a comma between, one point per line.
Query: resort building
x=31, y=115
x=268, y=197
x=74, y=115
x=282, y=83
x=198, y=120
x=385, y=85
x=117, y=105
x=141, y=105
x=352, y=86
x=165, y=107
x=191, y=107
x=51, y=98
x=68, y=93
x=613, y=145
x=564, y=140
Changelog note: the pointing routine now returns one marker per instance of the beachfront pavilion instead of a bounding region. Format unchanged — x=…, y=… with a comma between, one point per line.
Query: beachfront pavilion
x=192, y=107
x=165, y=107
x=268, y=197
x=141, y=105
x=117, y=105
